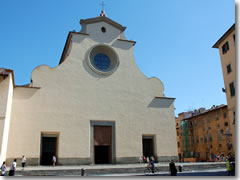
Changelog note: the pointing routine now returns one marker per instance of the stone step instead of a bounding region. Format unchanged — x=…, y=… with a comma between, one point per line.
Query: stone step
x=93, y=171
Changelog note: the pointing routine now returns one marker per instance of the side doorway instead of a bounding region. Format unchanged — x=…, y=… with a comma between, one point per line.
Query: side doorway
x=148, y=143
x=49, y=144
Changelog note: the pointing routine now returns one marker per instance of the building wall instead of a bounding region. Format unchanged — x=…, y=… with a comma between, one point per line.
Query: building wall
x=209, y=134
x=179, y=136
x=226, y=59
x=212, y=128
x=71, y=95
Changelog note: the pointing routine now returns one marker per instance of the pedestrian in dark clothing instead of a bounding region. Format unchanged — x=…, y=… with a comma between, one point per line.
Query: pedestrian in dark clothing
x=13, y=168
x=152, y=163
x=172, y=168
x=229, y=166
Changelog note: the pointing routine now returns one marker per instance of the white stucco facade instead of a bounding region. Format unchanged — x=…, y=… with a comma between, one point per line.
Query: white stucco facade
x=63, y=101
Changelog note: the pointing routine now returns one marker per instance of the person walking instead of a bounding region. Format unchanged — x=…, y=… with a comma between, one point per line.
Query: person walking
x=172, y=168
x=140, y=160
x=54, y=159
x=3, y=169
x=229, y=167
x=13, y=168
x=152, y=163
x=144, y=159
x=215, y=157
x=148, y=162
x=23, y=162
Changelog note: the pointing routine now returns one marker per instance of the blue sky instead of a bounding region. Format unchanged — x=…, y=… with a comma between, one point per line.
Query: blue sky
x=174, y=40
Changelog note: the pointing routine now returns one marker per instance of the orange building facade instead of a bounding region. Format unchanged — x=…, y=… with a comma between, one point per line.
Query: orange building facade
x=204, y=134
x=179, y=137
x=226, y=46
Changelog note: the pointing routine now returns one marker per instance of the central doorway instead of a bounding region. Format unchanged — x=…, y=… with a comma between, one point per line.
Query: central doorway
x=102, y=154
x=102, y=144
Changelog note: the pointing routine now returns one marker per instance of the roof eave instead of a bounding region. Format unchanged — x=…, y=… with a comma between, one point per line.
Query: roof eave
x=163, y=97
x=230, y=30
x=66, y=46
x=130, y=41
x=102, y=18
x=11, y=71
x=207, y=111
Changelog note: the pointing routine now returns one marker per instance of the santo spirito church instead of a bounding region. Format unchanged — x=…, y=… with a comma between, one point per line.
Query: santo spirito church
x=94, y=107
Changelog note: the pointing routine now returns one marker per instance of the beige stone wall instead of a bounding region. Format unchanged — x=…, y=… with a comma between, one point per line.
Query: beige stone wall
x=71, y=95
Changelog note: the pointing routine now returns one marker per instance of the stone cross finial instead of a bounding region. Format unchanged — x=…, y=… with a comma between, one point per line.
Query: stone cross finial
x=103, y=12
x=102, y=4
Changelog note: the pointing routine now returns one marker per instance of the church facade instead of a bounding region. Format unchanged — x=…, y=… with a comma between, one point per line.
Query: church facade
x=95, y=107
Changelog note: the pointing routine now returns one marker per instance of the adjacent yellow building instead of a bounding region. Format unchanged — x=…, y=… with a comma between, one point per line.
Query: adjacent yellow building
x=204, y=134
x=226, y=45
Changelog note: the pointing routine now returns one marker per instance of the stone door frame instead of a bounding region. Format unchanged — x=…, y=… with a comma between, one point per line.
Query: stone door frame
x=102, y=123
